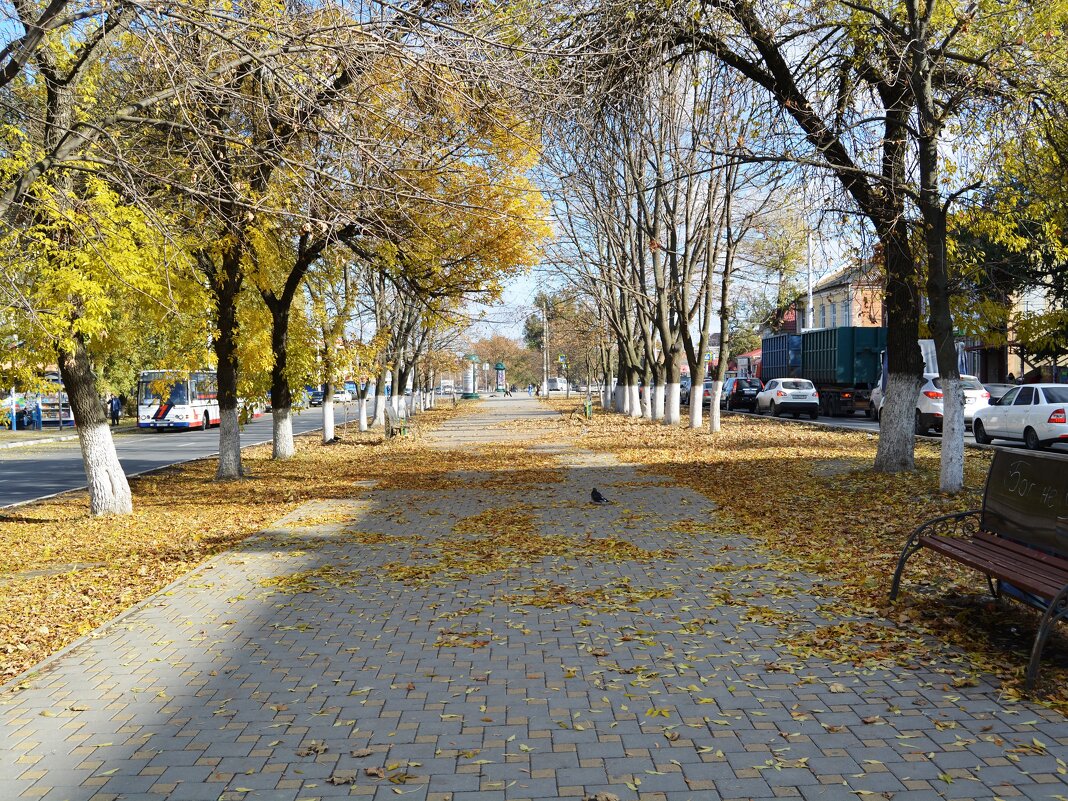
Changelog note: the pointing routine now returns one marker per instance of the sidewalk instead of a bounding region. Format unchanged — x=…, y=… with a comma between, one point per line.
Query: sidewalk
x=489, y=636
x=25, y=438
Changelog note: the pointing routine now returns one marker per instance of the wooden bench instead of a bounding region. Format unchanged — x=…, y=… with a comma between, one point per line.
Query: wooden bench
x=1019, y=538
x=395, y=424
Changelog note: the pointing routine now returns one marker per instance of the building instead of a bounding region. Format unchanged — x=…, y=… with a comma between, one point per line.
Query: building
x=847, y=297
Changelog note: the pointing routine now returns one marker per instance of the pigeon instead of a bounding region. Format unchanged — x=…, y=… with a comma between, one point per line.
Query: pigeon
x=597, y=497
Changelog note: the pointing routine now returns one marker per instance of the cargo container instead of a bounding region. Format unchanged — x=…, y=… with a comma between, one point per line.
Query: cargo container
x=844, y=363
x=780, y=357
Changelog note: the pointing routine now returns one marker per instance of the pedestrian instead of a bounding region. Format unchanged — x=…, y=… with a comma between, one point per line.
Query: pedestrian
x=115, y=406
x=530, y=390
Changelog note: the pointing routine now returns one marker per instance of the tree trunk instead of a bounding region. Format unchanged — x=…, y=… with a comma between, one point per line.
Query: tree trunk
x=897, y=439
x=225, y=290
x=109, y=491
x=714, y=417
x=697, y=395
x=282, y=429
x=670, y=375
x=363, y=412
x=380, y=399
x=281, y=395
x=328, y=413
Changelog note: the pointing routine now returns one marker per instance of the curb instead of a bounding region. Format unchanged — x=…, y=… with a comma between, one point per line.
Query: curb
x=42, y=441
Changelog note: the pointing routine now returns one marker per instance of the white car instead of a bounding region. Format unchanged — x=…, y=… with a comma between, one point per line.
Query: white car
x=1033, y=413
x=929, y=403
x=789, y=395
x=930, y=406
x=342, y=396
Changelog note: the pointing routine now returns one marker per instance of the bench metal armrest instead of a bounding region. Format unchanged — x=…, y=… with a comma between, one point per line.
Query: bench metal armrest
x=958, y=524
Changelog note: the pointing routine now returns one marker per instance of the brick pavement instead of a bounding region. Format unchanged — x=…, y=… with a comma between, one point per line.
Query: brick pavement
x=297, y=668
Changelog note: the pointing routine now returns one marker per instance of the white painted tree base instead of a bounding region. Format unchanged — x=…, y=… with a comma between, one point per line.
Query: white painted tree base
x=328, y=421
x=714, y=422
x=109, y=491
x=363, y=414
x=672, y=405
x=229, y=446
x=282, y=425
x=897, y=425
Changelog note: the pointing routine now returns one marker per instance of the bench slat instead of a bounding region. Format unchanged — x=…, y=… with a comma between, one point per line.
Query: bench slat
x=1020, y=558
x=1058, y=562
x=997, y=563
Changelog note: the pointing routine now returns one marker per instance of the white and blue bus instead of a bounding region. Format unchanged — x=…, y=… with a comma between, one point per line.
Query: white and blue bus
x=172, y=399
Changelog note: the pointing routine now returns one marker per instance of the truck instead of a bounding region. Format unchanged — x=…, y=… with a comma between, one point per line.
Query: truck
x=843, y=363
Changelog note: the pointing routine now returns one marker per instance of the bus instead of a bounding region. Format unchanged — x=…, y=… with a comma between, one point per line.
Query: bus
x=171, y=399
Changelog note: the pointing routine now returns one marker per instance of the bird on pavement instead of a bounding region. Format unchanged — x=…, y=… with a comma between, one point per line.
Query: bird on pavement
x=597, y=497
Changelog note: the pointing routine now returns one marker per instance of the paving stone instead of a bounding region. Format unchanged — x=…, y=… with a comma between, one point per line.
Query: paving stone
x=218, y=689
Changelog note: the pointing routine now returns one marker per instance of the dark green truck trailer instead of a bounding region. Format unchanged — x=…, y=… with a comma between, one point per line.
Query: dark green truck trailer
x=844, y=363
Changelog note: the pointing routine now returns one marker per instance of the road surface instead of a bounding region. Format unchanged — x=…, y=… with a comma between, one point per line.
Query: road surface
x=36, y=472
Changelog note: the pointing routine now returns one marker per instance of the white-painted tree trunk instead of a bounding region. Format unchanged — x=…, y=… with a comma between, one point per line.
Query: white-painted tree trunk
x=328, y=420
x=714, y=422
x=897, y=424
x=658, y=402
x=622, y=399
x=229, y=445
x=951, y=478
x=697, y=406
x=109, y=491
x=380, y=410
x=363, y=414
x=282, y=425
x=634, y=401
x=646, y=401
x=672, y=405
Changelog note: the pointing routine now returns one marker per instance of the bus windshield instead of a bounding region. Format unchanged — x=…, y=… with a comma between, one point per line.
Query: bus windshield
x=178, y=394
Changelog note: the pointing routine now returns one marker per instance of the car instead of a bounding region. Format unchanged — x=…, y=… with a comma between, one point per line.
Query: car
x=796, y=396
x=342, y=396
x=929, y=405
x=315, y=397
x=1033, y=413
x=739, y=393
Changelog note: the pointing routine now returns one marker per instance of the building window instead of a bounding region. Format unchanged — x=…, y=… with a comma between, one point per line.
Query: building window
x=834, y=314
x=823, y=315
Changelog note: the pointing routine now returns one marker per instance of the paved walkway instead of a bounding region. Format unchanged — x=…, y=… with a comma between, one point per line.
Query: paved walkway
x=503, y=666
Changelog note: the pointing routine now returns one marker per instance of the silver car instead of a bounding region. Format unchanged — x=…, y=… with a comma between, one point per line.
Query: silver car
x=1033, y=414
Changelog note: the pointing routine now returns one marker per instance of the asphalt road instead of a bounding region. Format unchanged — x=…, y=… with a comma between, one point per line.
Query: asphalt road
x=39, y=471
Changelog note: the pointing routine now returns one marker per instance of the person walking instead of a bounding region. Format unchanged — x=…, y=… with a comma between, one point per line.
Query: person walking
x=115, y=407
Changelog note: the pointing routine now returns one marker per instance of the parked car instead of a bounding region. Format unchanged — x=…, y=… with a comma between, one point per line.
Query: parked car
x=929, y=402
x=1034, y=414
x=929, y=405
x=739, y=393
x=793, y=395
x=342, y=396
x=315, y=397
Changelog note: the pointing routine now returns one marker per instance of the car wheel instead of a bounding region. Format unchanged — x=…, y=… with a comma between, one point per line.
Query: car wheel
x=979, y=432
x=207, y=421
x=921, y=429
x=1031, y=440
x=774, y=409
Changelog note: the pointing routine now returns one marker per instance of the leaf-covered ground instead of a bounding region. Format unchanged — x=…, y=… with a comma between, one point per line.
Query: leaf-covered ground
x=810, y=497
x=63, y=573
